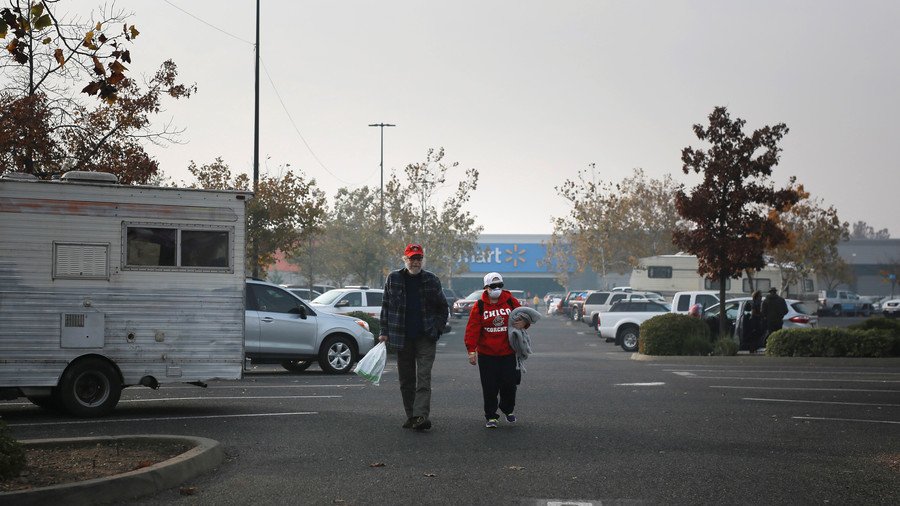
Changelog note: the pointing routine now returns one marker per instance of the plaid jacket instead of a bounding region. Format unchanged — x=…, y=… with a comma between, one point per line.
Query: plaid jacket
x=393, y=308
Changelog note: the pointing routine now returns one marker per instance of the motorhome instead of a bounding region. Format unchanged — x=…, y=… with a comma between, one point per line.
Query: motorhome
x=105, y=286
x=669, y=274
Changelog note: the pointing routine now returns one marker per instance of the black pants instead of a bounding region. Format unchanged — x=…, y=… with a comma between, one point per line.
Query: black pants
x=499, y=376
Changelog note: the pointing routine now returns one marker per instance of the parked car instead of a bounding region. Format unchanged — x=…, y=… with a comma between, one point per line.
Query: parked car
x=564, y=307
x=304, y=293
x=280, y=328
x=842, y=302
x=349, y=299
x=622, y=322
x=463, y=306
x=798, y=316
x=451, y=296
x=891, y=308
x=520, y=296
x=587, y=313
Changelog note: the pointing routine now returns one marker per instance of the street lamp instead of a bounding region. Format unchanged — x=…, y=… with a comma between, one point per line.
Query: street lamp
x=381, y=188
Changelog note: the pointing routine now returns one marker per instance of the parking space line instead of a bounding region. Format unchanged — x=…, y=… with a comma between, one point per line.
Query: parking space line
x=821, y=418
x=158, y=419
x=650, y=384
x=750, y=370
x=802, y=401
x=242, y=385
x=804, y=389
x=842, y=380
x=232, y=398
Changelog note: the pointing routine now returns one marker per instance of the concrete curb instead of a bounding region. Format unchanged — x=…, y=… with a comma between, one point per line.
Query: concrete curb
x=745, y=359
x=205, y=455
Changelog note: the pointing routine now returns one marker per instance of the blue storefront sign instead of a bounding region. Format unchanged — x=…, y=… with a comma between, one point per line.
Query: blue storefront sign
x=508, y=258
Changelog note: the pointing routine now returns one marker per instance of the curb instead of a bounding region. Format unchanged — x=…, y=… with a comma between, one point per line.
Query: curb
x=205, y=455
x=744, y=359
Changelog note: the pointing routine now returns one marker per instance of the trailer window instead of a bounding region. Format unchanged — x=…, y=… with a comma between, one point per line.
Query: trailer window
x=204, y=248
x=177, y=248
x=152, y=246
x=712, y=284
x=659, y=271
x=761, y=284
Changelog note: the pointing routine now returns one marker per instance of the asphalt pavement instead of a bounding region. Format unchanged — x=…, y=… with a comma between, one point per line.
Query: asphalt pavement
x=596, y=426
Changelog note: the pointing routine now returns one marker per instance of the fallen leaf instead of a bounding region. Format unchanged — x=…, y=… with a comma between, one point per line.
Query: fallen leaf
x=144, y=463
x=430, y=475
x=187, y=490
x=515, y=468
x=376, y=464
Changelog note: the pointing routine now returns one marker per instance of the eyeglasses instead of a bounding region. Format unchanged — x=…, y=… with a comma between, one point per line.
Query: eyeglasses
x=416, y=257
x=494, y=286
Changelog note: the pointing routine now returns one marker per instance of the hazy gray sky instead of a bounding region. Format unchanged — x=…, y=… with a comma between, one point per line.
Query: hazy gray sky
x=528, y=92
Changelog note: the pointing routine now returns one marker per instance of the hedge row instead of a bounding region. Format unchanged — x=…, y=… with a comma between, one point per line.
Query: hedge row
x=834, y=342
x=674, y=334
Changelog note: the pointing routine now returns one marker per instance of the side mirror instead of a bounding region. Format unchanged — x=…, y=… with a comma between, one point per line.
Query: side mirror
x=342, y=303
x=302, y=310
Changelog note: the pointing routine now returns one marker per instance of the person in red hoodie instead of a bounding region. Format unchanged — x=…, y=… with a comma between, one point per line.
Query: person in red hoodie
x=487, y=341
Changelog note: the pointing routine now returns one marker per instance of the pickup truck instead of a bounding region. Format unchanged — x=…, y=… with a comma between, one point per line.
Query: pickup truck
x=622, y=323
x=842, y=302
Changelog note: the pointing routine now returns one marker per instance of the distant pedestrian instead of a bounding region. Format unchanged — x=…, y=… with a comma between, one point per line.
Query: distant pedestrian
x=773, y=309
x=487, y=341
x=413, y=314
x=536, y=301
x=756, y=326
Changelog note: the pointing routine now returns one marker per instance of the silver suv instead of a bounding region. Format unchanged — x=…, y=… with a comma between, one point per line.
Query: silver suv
x=279, y=328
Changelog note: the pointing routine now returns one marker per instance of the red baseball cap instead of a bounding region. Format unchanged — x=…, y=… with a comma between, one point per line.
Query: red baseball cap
x=412, y=250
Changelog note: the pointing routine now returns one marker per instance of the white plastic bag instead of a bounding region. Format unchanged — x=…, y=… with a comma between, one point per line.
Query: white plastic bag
x=371, y=366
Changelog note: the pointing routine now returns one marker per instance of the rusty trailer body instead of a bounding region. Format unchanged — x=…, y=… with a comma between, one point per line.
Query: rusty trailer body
x=104, y=286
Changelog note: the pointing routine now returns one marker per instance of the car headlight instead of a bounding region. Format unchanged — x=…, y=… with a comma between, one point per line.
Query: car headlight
x=363, y=324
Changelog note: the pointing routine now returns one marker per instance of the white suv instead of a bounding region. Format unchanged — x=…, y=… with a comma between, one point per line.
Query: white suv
x=349, y=299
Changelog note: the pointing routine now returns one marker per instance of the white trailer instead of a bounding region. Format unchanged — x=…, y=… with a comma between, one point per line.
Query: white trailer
x=104, y=286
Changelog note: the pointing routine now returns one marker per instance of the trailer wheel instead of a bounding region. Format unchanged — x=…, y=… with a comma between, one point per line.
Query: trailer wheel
x=90, y=388
x=296, y=365
x=836, y=311
x=629, y=335
x=337, y=355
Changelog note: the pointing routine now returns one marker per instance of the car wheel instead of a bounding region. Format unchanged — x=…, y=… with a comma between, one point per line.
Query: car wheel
x=296, y=365
x=628, y=336
x=90, y=388
x=594, y=322
x=576, y=314
x=337, y=355
x=836, y=311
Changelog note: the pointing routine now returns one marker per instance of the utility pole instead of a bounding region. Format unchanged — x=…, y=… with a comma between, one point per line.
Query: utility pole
x=254, y=249
x=381, y=188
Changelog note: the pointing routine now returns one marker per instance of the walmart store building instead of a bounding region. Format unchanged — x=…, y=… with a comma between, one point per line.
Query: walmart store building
x=519, y=258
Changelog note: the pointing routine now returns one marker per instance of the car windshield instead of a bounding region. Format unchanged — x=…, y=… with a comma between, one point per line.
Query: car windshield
x=328, y=297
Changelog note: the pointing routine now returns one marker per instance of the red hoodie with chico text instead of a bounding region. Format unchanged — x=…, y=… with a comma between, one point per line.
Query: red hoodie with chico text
x=486, y=332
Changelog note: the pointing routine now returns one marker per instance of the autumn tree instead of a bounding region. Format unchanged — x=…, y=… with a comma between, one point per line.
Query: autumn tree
x=416, y=210
x=611, y=225
x=813, y=233
x=51, y=66
x=864, y=231
x=283, y=214
x=733, y=212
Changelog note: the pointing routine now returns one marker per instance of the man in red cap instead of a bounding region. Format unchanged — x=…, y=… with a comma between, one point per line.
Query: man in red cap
x=413, y=314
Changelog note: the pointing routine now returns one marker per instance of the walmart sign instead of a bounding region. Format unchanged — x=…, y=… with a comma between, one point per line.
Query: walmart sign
x=508, y=258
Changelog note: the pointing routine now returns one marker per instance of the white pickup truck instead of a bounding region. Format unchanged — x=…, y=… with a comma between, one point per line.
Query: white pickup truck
x=842, y=302
x=622, y=323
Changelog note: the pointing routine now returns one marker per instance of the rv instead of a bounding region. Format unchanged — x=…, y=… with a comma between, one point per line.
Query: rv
x=105, y=286
x=669, y=274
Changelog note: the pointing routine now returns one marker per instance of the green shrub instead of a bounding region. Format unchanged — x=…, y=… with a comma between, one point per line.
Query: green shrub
x=725, y=347
x=12, y=455
x=878, y=323
x=674, y=334
x=374, y=323
x=833, y=342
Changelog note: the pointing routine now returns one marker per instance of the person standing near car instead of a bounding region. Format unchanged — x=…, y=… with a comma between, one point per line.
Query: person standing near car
x=413, y=314
x=773, y=309
x=487, y=341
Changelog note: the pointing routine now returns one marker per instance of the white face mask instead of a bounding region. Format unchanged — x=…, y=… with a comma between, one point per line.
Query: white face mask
x=495, y=293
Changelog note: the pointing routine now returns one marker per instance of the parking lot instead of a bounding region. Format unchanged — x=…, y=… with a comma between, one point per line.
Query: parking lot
x=596, y=425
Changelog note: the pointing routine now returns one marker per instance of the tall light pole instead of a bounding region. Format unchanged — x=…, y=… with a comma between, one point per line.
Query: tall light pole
x=254, y=248
x=381, y=189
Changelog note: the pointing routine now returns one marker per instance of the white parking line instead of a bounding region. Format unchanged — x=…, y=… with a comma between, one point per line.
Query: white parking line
x=158, y=419
x=843, y=419
x=746, y=370
x=803, y=389
x=233, y=398
x=651, y=384
x=801, y=401
x=842, y=380
x=243, y=385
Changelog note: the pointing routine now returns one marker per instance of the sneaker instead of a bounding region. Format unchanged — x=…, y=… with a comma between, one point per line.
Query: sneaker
x=511, y=418
x=491, y=424
x=409, y=423
x=420, y=423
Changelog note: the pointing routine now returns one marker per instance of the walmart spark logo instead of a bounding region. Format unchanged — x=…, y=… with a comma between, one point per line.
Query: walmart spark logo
x=515, y=255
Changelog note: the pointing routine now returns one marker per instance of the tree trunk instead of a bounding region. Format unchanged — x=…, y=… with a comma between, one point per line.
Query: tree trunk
x=723, y=323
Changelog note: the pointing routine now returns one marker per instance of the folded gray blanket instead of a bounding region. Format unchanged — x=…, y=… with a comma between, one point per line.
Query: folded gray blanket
x=518, y=339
